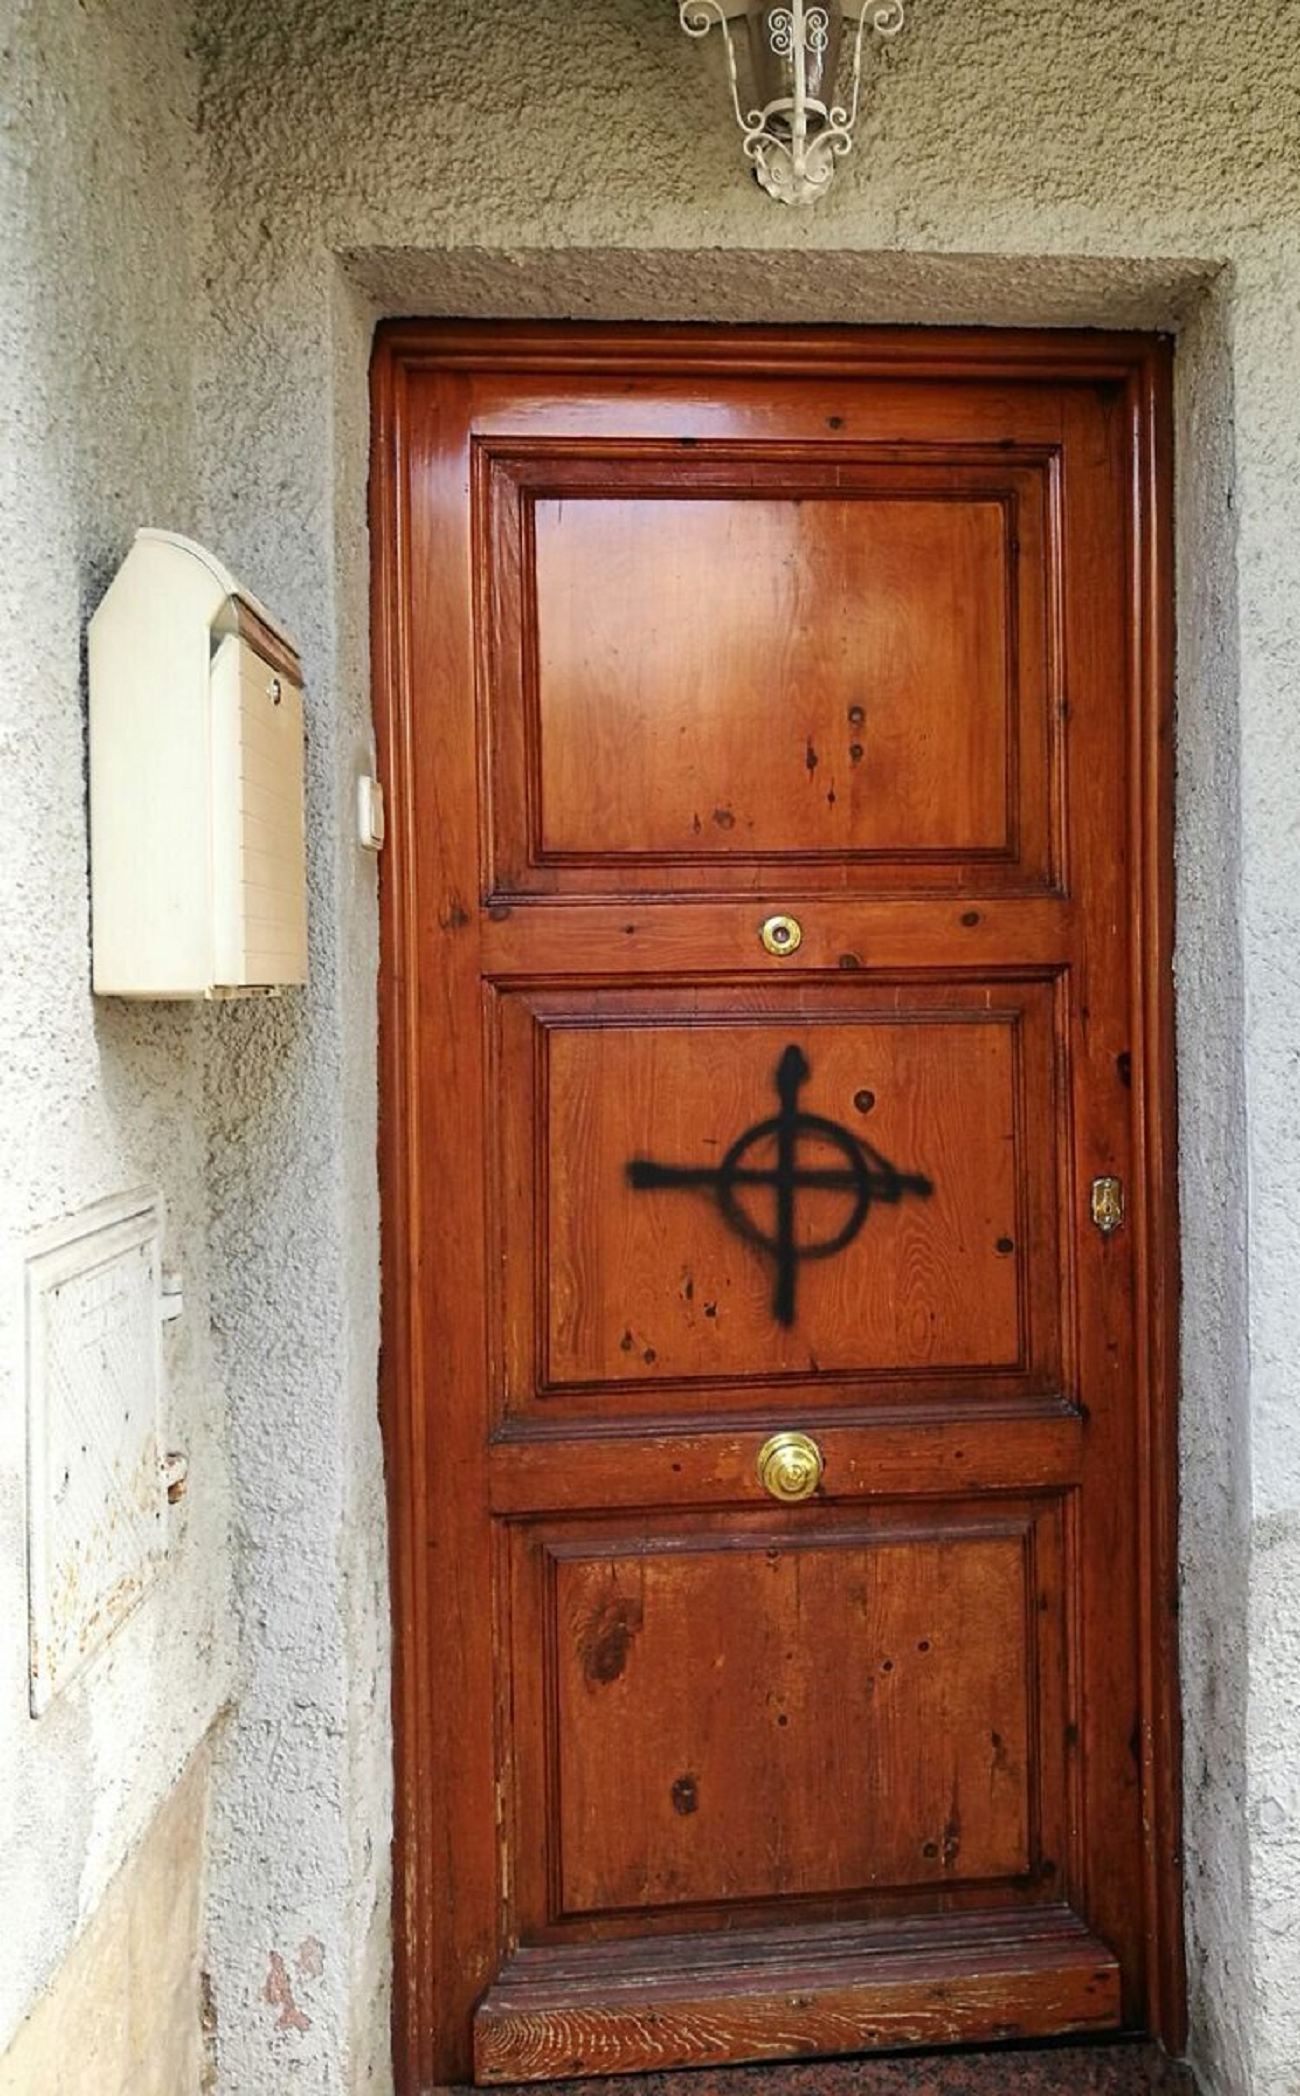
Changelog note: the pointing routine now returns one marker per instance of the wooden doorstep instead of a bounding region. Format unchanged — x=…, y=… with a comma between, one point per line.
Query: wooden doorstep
x=552, y=2013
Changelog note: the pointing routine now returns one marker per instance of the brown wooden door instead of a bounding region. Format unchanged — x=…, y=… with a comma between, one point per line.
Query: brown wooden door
x=680, y=634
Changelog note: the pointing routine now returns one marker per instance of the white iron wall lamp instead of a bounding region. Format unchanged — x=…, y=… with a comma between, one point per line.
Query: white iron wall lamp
x=796, y=131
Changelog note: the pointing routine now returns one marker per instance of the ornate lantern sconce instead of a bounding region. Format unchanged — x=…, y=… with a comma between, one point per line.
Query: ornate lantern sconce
x=796, y=131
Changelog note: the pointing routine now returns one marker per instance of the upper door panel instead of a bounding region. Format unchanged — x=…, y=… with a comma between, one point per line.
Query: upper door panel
x=838, y=673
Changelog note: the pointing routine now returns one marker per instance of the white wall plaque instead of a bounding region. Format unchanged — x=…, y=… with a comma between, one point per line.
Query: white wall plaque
x=96, y=1490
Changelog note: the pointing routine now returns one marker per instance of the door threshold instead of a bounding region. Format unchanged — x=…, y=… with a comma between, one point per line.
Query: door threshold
x=689, y=2002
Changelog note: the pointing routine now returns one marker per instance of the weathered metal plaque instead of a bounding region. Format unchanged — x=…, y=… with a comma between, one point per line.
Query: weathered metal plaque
x=96, y=1493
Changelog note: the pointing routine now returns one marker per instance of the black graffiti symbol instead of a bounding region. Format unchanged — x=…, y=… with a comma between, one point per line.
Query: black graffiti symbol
x=865, y=1176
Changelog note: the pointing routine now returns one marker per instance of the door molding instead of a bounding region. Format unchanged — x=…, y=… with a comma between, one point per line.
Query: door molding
x=1138, y=370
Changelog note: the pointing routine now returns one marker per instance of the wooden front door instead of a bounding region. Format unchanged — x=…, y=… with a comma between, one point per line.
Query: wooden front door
x=777, y=1192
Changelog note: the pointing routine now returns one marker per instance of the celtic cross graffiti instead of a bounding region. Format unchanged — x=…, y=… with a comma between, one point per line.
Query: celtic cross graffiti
x=863, y=1177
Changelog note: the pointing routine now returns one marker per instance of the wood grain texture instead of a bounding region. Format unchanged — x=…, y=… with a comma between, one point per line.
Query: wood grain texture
x=843, y=669
x=962, y=1282
x=739, y=1716
x=886, y=1672
x=634, y=679
x=572, y=979
x=842, y=1993
x=686, y=936
x=880, y=1451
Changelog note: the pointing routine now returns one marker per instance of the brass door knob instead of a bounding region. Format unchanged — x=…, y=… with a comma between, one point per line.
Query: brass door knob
x=790, y=1466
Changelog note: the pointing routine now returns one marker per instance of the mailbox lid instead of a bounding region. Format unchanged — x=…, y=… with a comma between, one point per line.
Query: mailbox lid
x=230, y=600
x=259, y=883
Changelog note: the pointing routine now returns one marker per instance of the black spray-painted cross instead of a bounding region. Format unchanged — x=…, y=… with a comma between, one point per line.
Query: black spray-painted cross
x=865, y=1176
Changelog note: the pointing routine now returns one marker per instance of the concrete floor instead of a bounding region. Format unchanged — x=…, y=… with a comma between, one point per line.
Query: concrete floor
x=1047, y=2070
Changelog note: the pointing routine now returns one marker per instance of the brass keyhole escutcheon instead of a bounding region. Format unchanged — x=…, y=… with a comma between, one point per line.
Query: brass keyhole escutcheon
x=781, y=935
x=1107, y=1204
x=790, y=1466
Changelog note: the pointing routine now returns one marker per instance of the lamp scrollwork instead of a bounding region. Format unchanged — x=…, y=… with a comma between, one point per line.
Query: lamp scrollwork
x=793, y=129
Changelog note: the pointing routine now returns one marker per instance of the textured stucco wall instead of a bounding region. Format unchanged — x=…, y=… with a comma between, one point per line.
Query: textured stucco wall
x=1023, y=161
x=301, y=1833
x=96, y=437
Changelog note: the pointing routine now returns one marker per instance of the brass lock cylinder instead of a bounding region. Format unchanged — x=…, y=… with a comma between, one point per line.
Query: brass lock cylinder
x=780, y=935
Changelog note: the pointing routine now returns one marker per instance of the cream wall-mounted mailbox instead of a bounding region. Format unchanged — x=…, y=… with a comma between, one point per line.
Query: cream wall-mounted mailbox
x=197, y=848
